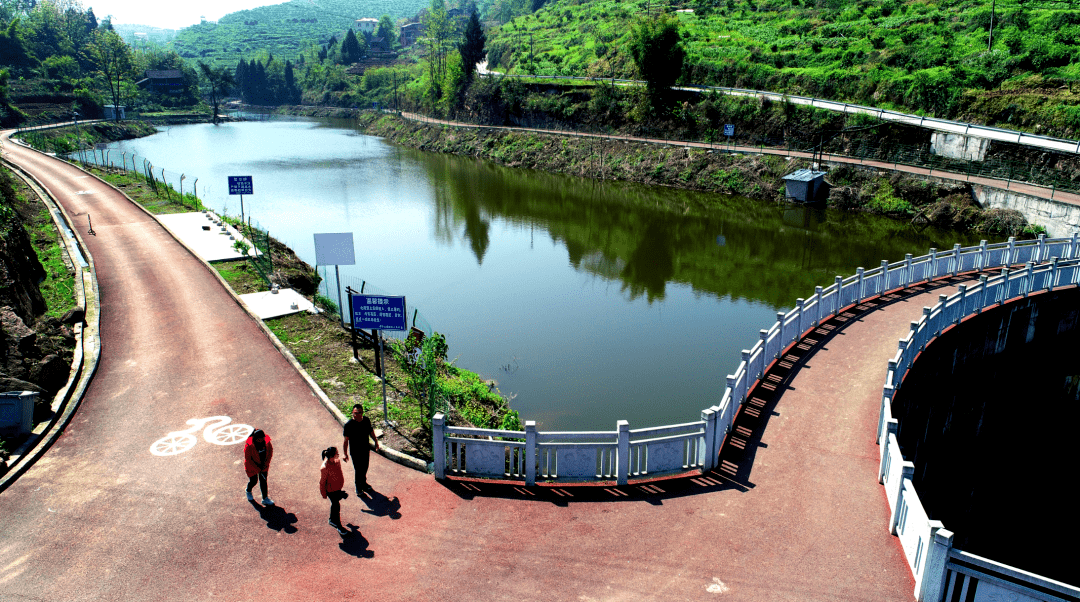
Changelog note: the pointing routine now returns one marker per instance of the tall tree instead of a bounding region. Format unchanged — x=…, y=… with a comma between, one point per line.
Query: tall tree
x=658, y=54
x=113, y=61
x=350, y=49
x=220, y=80
x=438, y=31
x=472, y=47
x=386, y=31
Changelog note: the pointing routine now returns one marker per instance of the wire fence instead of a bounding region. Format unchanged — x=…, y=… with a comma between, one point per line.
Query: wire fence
x=334, y=296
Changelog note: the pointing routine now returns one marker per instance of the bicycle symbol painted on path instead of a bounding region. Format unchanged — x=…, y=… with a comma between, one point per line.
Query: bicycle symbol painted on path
x=216, y=430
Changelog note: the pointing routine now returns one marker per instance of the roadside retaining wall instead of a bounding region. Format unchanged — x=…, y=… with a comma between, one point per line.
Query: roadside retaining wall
x=1058, y=218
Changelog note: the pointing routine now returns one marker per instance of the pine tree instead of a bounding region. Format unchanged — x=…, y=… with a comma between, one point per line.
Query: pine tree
x=350, y=49
x=472, y=48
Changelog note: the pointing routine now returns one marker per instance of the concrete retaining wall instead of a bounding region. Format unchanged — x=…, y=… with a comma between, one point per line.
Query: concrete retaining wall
x=1059, y=219
x=959, y=146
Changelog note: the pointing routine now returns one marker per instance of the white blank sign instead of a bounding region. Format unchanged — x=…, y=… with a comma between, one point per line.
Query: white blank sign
x=334, y=249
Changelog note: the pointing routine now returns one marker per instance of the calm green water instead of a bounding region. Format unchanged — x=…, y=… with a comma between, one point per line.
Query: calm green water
x=587, y=301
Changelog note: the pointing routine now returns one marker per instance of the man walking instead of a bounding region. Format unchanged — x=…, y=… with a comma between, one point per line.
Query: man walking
x=356, y=431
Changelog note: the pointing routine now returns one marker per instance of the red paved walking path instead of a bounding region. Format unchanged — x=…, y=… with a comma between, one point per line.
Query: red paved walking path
x=794, y=513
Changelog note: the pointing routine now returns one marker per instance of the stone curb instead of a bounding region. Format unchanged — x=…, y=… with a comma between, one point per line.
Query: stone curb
x=87, y=352
x=391, y=454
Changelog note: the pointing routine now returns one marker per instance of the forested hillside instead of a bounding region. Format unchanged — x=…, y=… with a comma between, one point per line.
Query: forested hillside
x=283, y=29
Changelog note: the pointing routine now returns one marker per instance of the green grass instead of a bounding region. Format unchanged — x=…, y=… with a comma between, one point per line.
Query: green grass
x=58, y=288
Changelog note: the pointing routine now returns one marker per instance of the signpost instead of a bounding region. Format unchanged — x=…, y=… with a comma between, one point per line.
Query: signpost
x=378, y=312
x=729, y=131
x=240, y=185
x=335, y=249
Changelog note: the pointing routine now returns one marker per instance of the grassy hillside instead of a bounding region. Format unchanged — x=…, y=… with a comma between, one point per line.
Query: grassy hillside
x=282, y=29
x=921, y=56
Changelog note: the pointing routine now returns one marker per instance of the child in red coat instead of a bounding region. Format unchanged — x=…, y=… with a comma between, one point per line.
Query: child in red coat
x=330, y=483
x=257, y=454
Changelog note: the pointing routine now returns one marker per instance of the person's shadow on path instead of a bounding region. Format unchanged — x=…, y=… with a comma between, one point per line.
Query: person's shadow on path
x=380, y=505
x=355, y=544
x=276, y=518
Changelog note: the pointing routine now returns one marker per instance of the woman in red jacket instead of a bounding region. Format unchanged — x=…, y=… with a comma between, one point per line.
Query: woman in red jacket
x=330, y=484
x=257, y=453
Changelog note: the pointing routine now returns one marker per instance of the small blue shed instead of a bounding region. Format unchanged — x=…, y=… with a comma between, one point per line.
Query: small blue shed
x=804, y=185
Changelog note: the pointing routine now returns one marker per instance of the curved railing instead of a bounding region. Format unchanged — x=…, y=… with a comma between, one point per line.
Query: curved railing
x=942, y=572
x=623, y=454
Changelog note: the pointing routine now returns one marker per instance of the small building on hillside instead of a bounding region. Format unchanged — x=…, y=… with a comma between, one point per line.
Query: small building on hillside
x=804, y=185
x=366, y=25
x=165, y=81
x=410, y=33
x=111, y=110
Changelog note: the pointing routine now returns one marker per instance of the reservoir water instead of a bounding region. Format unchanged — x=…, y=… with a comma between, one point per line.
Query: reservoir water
x=589, y=302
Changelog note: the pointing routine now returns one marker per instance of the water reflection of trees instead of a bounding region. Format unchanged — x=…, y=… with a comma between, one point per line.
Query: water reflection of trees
x=646, y=237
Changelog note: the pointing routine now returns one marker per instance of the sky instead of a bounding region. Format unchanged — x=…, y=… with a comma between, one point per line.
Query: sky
x=169, y=15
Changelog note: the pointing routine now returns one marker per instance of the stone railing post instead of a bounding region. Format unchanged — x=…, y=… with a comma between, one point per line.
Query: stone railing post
x=624, y=452
x=907, y=470
x=982, y=295
x=963, y=290
x=984, y=255
x=438, y=444
x=1074, y=246
x=764, y=335
x=745, y=354
x=956, y=259
x=909, y=271
x=1011, y=255
x=839, y=294
x=859, y=272
x=712, y=448
x=930, y=587
x=884, y=278
x=890, y=429
x=1052, y=281
x=731, y=387
x=1004, y=283
x=780, y=333
x=530, y=453
x=817, y=304
x=800, y=326
x=933, y=265
x=1042, y=248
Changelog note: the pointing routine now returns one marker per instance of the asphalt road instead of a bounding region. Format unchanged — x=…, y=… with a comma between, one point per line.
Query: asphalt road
x=796, y=513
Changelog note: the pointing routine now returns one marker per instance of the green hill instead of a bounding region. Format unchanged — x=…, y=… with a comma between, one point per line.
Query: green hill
x=282, y=29
x=934, y=56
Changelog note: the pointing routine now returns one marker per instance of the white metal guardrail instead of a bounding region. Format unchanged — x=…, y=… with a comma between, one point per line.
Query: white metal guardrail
x=942, y=572
x=693, y=447
x=622, y=454
x=942, y=125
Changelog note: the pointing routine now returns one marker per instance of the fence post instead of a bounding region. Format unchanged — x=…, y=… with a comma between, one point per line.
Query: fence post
x=438, y=445
x=1029, y=279
x=862, y=284
x=817, y=304
x=930, y=273
x=711, y=451
x=982, y=295
x=839, y=281
x=884, y=278
x=1012, y=252
x=907, y=470
x=956, y=259
x=1074, y=247
x=799, y=303
x=624, y=452
x=931, y=584
x=1053, y=274
x=1042, y=248
x=909, y=271
x=962, y=289
x=730, y=382
x=530, y=453
x=890, y=429
x=984, y=255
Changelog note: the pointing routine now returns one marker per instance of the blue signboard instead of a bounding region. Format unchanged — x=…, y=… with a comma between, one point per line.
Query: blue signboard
x=379, y=312
x=240, y=185
x=729, y=129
